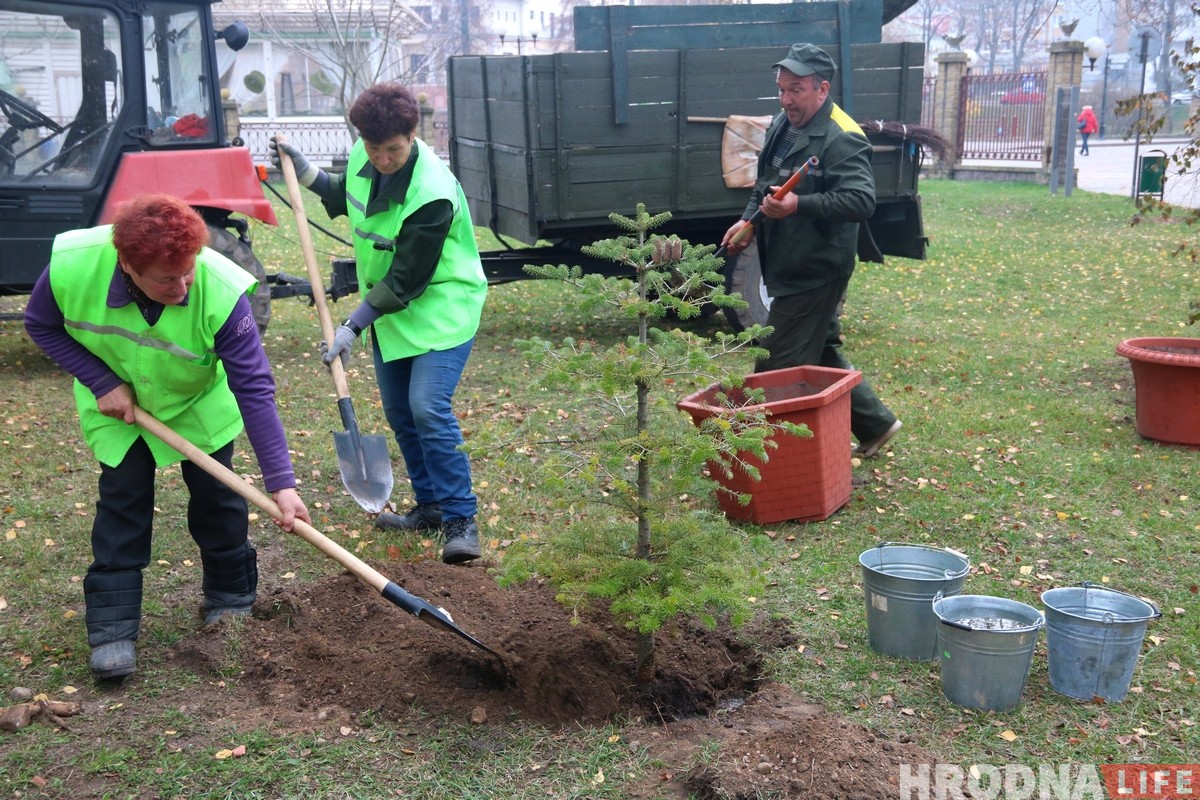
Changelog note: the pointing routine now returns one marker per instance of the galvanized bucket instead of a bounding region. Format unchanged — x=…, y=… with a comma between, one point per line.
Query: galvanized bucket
x=900, y=581
x=1093, y=638
x=987, y=646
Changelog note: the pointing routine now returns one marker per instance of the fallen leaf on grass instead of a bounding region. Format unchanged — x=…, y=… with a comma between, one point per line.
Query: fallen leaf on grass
x=1008, y=736
x=222, y=754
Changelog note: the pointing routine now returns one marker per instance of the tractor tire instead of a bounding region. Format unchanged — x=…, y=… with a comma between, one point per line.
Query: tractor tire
x=240, y=253
x=743, y=276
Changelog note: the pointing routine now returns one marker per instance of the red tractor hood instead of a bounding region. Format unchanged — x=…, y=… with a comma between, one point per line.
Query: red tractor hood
x=218, y=178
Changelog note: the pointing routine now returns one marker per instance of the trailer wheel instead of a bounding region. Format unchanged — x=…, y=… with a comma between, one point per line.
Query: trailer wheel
x=743, y=276
x=240, y=253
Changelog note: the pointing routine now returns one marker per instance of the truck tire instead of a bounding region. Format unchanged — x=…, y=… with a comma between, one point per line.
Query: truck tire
x=240, y=253
x=743, y=276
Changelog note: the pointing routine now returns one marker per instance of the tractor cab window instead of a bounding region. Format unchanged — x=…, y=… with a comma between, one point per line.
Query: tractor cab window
x=60, y=93
x=178, y=97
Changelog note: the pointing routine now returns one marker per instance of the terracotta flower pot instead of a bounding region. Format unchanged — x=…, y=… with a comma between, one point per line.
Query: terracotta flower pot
x=1166, y=380
x=805, y=479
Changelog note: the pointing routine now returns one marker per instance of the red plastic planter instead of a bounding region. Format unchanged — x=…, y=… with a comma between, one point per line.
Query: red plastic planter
x=1166, y=380
x=805, y=479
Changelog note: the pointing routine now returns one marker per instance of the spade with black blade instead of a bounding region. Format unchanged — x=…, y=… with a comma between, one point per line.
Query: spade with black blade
x=363, y=461
x=421, y=609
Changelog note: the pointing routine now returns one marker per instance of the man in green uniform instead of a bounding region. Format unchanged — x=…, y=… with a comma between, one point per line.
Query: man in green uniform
x=808, y=241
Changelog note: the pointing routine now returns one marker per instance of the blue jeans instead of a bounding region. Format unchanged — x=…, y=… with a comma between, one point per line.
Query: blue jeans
x=416, y=396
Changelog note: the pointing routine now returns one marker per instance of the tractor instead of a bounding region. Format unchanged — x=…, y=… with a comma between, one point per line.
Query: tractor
x=107, y=99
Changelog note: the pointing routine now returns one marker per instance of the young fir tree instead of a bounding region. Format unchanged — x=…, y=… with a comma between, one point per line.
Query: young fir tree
x=648, y=543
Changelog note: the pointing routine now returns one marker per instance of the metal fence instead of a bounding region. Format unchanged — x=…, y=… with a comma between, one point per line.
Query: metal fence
x=321, y=139
x=1003, y=116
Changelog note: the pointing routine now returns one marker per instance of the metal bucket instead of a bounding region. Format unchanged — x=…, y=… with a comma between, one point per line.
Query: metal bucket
x=900, y=580
x=1093, y=638
x=987, y=646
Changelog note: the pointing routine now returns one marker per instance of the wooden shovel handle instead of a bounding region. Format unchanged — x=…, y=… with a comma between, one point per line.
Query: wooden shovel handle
x=310, y=262
x=261, y=499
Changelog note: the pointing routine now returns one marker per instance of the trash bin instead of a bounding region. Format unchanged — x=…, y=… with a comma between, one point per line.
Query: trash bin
x=1152, y=172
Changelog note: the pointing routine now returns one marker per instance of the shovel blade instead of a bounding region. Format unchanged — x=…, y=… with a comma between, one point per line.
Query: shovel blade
x=366, y=469
x=429, y=614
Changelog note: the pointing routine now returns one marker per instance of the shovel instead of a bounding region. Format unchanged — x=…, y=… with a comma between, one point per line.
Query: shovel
x=363, y=461
x=780, y=193
x=421, y=609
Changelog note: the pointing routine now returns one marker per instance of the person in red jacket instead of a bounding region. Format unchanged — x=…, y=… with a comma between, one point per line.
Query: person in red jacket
x=1087, y=126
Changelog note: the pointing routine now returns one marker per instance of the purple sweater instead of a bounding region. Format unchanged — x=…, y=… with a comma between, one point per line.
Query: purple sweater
x=236, y=344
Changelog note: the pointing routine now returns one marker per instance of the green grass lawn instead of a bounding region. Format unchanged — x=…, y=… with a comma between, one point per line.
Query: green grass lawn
x=1018, y=449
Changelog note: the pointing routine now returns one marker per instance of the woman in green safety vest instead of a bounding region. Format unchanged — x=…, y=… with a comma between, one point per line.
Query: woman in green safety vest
x=423, y=289
x=141, y=313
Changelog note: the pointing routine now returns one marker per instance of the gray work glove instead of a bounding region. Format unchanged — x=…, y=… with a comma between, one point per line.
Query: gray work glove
x=306, y=173
x=343, y=343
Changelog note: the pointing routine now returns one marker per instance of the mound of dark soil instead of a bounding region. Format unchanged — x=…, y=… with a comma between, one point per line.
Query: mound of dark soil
x=335, y=648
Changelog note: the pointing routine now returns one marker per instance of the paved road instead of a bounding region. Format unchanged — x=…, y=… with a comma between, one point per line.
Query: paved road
x=1109, y=168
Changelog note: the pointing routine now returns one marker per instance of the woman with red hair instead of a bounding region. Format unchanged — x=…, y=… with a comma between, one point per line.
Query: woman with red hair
x=142, y=314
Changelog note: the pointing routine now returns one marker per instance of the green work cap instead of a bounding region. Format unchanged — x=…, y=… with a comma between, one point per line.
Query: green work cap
x=808, y=59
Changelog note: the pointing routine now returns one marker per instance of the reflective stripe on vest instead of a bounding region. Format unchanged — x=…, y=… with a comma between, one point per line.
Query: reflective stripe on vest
x=447, y=313
x=170, y=366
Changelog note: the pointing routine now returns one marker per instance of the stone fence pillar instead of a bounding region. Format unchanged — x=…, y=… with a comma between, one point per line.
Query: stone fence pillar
x=947, y=92
x=1065, y=69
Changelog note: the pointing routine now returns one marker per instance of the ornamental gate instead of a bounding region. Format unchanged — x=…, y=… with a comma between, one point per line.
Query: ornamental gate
x=1002, y=117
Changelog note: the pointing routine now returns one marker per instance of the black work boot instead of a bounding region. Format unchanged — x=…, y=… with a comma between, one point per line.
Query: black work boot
x=421, y=517
x=113, y=618
x=462, y=541
x=230, y=583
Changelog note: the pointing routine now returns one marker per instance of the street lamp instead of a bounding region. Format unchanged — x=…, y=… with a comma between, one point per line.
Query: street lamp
x=972, y=59
x=1095, y=49
x=532, y=37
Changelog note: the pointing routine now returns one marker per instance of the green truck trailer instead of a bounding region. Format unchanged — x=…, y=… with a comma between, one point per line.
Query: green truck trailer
x=547, y=146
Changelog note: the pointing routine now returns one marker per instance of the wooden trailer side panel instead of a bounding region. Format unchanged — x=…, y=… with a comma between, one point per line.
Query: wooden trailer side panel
x=624, y=28
x=536, y=148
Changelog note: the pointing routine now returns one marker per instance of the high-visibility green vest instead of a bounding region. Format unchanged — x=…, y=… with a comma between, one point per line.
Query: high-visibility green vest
x=171, y=366
x=447, y=313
